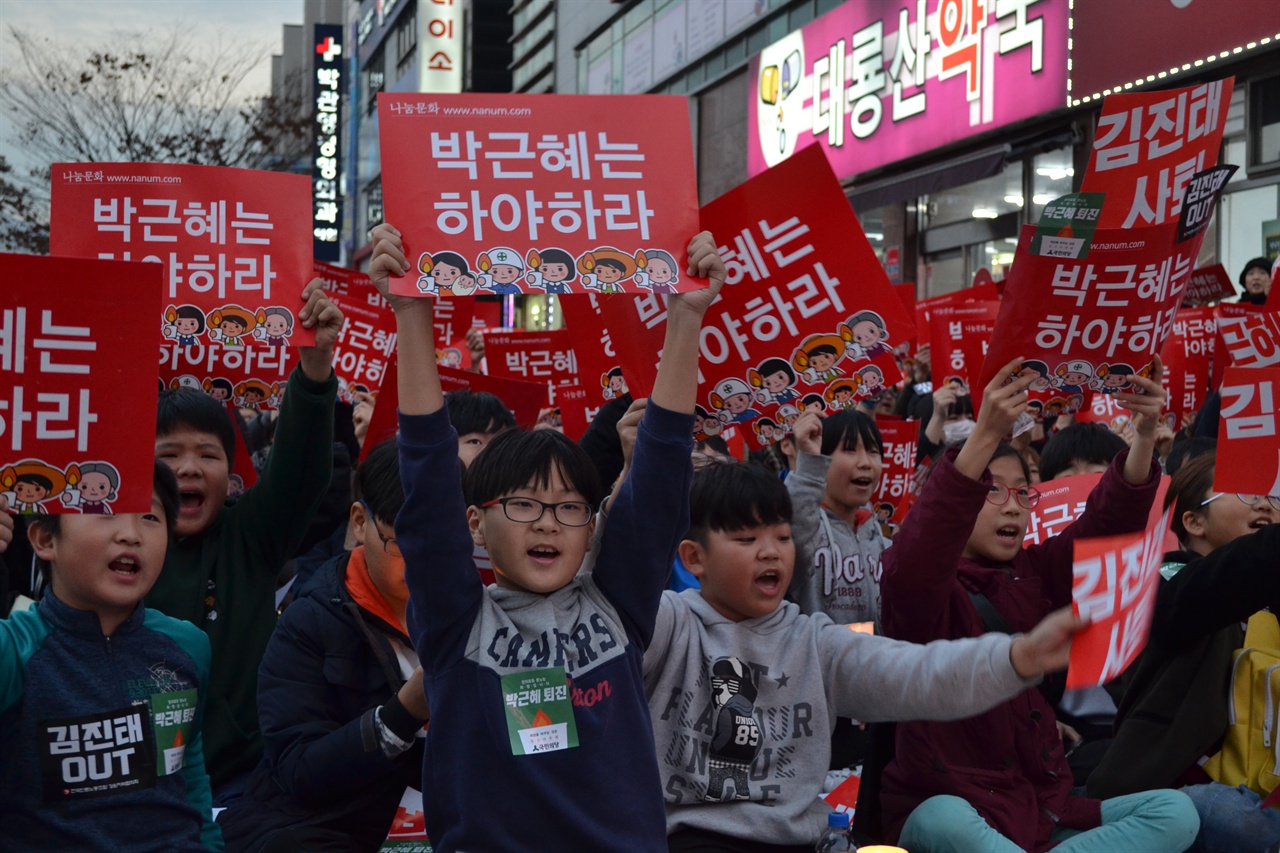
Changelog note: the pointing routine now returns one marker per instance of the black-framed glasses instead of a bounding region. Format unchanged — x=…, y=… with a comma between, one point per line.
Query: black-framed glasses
x=389, y=543
x=529, y=510
x=1247, y=500
x=1026, y=496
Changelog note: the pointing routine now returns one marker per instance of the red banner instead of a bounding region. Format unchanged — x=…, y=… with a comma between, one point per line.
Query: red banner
x=368, y=336
x=1227, y=311
x=576, y=408
x=807, y=315
x=1148, y=146
x=526, y=193
x=77, y=401
x=960, y=335
x=1062, y=501
x=1251, y=339
x=599, y=367
x=899, y=438
x=250, y=377
x=1248, y=434
x=1187, y=356
x=1114, y=587
x=1207, y=284
x=235, y=244
x=980, y=292
x=545, y=357
x=1090, y=323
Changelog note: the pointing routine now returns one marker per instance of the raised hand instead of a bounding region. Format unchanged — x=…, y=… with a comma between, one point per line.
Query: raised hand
x=389, y=261
x=704, y=262
x=1047, y=647
x=807, y=431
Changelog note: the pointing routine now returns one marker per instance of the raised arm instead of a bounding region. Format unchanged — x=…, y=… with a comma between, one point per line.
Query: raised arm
x=807, y=485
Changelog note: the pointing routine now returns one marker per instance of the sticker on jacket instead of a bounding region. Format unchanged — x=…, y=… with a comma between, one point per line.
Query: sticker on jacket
x=173, y=715
x=97, y=755
x=539, y=711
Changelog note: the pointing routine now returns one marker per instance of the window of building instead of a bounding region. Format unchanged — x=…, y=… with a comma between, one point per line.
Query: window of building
x=1264, y=124
x=406, y=36
x=375, y=81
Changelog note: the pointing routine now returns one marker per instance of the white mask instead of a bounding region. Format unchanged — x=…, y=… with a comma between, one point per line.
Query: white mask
x=958, y=430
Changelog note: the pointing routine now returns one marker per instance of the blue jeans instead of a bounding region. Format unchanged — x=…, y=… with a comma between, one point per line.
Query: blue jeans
x=1232, y=819
x=1150, y=822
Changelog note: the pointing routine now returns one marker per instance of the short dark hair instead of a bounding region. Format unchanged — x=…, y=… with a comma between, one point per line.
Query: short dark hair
x=734, y=497
x=1184, y=451
x=1091, y=443
x=1188, y=489
x=183, y=407
x=378, y=481
x=517, y=458
x=478, y=411
x=190, y=312
x=613, y=263
x=164, y=484
x=843, y=430
x=714, y=443
x=770, y=366
x=1008, y=450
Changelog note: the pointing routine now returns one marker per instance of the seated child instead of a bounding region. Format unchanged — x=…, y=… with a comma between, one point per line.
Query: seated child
x=744, y=689
x=339, y=695
x=220, y=574
x=1000, y=781
x=837, y=534
x=540, y=732
x=102, y=699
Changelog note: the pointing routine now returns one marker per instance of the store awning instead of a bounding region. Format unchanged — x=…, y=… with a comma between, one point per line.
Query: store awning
x=930, y=179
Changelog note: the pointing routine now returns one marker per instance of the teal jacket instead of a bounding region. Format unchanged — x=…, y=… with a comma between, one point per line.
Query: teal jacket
x=223, y=580
x=100, y=744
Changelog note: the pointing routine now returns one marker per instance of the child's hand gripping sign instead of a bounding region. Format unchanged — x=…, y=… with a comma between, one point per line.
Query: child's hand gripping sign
x=556, y=194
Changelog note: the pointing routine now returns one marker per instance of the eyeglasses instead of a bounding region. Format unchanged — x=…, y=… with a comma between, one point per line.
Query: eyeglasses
x=1248, y=500
x=529, y=510
x=1026, y=496
x=389, y=543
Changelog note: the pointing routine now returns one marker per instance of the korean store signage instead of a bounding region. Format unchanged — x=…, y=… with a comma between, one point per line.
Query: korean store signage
x=441, y=45
x=876, y=81
x=327, y=87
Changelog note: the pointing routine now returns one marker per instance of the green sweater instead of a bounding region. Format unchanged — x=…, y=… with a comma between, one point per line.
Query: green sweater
x=224, y=579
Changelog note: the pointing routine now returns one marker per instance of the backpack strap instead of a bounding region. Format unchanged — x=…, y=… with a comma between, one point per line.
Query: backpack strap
x=991, y=618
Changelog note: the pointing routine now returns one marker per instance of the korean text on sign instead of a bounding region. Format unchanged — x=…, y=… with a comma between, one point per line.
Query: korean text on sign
x=1248, y=460
x=73, y=389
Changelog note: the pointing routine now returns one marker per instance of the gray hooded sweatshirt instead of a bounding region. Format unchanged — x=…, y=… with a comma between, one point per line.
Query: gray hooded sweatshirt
x=743, y=711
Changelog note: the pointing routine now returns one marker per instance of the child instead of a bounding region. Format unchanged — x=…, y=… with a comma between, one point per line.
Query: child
x=744, y=690
x=340, y=694
x=102, y=699
x=957, y=568
x=574, y=769
x=220, y=574
x=1082, y=448
x=839, y=542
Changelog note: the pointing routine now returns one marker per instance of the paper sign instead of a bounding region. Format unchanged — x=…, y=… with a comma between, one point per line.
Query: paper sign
x=1062, y=501
x=243, y=475
x=576, y=409
x=368, y=335
x=250, y=377
x=173, y=717
x=1088, y=325
x=1207, y=284
x=545, y=357
x=1251, y=340
x=1114, y=582
x=985, y=291
x=807, y=316
x=77, y=391
x=1187, y=356
x=539, y=193
x=1228, y=313
x=1149, y=145
x=960, y=336
x=1201, y=200
x=1249, y=432
x=234, y=244
x=844, y=797
x=898, y=453
x=524, y=399
x=1067, y=225
x=408, y=832
x=599, y=367
x=539, y=711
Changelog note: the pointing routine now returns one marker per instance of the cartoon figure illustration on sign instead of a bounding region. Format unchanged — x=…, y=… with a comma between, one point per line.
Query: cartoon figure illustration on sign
x=768, y=430
x=817, y=356
x=444, y=271
x=1110, y=378
x=91, y=486
x=219, y=389
x=957, y=382
x=870, y=382
x=235, y=486
x=659, y=273
x=732, y=399
x=255, y=394
x=28, y=484
x=605, y=269
x=186, y=382
x=869, y=335
x=774, y=380
x=185, y=324
x=813, y=403
x=1041, y=369
x=229, y=324
x=551, y=271
x=736, y=740
x=1072, y=377
x=613, y=383
x=842, y=394
x=705, y=424
x=277, y=326
x=788, y=416
x=500, y=269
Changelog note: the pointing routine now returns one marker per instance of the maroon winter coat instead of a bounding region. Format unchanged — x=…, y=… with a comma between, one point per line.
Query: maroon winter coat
x=1009, y=762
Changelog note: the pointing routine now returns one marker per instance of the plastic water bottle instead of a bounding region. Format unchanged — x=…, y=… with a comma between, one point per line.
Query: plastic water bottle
x=837, y=839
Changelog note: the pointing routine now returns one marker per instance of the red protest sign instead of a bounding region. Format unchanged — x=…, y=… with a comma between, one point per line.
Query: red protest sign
x=234, y=244
x=1228, y=311
x=545, y=357
x=1187, y=356
x=1207, y=284
x=984, y=291
x=368, y=336
x=1250, y=339
x=1062, y=501
x=1114, y=581
x=1249, y=432
x=77, y=404
x=577, y=409
x=598, y=364
x=1090, y=323
x=243, y=474
x=960, y=336
x=528, y=194
x=250, y=377
x=807, y=316
x=898, y=452
x=1148, y=146
x=524, y=399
